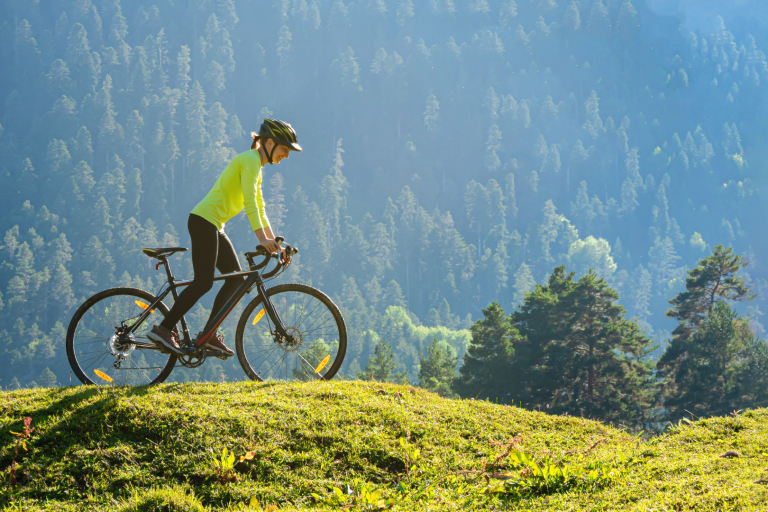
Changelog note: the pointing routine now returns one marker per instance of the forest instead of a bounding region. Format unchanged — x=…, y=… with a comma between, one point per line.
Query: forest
x=465, y=163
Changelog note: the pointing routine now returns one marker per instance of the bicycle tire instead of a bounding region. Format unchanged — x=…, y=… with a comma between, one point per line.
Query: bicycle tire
x=307, y=367
x=163, y=368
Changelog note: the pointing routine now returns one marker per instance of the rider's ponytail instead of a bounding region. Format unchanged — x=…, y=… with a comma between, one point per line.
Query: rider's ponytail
x=255, y=137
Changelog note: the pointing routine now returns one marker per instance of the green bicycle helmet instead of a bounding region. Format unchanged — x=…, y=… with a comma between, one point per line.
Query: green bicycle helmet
x=281, y=132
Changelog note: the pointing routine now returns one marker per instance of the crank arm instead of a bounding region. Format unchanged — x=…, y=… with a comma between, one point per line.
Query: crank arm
x=146, y=346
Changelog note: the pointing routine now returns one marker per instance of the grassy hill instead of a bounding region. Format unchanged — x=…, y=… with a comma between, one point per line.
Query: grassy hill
x=368, y=445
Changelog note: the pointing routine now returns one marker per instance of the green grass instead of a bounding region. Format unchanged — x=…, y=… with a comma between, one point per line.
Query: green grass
x=159, y=449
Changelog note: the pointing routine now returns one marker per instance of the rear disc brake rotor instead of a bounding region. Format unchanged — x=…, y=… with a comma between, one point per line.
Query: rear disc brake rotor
x=121, y=345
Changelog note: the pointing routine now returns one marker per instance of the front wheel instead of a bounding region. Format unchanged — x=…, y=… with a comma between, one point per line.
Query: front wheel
x=314, y=323
x=102, y=351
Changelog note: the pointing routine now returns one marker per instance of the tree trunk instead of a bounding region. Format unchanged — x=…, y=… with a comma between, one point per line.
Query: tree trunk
x=591, y=377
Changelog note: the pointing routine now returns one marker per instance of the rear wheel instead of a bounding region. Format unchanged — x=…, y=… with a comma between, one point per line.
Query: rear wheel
x=99, y=347
x=318, y=336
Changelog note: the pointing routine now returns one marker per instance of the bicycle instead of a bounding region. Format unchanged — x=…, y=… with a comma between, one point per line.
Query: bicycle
x=296, y=333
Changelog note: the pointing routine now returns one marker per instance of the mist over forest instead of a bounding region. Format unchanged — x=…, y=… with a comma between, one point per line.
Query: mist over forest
x=455, y=153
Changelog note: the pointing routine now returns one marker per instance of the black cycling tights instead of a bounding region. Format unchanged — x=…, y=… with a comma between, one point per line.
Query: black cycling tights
x=211, y=249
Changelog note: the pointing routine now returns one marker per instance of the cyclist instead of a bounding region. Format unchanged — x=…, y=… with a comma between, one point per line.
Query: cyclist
x=238, y=187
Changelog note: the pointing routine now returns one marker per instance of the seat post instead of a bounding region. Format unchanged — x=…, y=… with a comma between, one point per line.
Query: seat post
x=168, y=273
x=171, y=281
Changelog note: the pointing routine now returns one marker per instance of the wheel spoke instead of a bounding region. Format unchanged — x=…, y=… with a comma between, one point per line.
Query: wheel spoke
x=316, y=334
x=140, y=362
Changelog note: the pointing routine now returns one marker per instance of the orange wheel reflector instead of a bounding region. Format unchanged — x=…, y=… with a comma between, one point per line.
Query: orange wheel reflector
x=103, y=375
x=322, y=364
x=144, y=306
x=258, y=316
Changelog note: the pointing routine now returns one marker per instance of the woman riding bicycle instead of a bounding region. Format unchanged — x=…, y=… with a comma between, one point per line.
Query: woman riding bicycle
x=238, y=187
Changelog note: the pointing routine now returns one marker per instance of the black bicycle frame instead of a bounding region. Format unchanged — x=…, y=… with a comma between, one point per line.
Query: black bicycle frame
x=253, y=279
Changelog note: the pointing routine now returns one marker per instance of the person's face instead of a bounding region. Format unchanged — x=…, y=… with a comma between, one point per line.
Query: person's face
x=280, y=153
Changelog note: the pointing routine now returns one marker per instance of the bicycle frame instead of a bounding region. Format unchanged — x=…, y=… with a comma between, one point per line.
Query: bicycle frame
x=253, y=280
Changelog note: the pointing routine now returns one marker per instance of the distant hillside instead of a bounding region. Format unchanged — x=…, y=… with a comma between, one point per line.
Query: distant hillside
x=155, y=449
x=455, y=152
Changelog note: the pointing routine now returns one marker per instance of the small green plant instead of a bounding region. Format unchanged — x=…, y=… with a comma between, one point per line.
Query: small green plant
x=527, y=476
x=21, y=440
x=254, y=505
x=362, y=494
x=224, y=466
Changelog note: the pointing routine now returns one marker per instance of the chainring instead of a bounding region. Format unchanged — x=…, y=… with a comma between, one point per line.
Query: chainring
x=193, y=360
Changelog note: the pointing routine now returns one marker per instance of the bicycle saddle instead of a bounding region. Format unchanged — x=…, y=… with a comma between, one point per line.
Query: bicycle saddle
x=162, y=251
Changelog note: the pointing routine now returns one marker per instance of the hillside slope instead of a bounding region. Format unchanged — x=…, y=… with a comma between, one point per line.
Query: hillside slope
x=135, y=449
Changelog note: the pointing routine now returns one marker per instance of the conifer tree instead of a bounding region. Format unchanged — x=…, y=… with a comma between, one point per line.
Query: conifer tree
x=507, y=12
x=486, y=371
x=333, y=192
x=523, y=283
x=382, y=366
x=431, y=113
x=599, y=24
x=572, y=18
x=437, y=370
x=579, y=353
x=627, y=24
x=183, y=67
x=404, y=12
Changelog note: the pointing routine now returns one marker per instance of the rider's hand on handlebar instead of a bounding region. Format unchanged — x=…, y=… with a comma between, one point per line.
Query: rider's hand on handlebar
x=270, y=245
x=285, y=256
x=273, y=247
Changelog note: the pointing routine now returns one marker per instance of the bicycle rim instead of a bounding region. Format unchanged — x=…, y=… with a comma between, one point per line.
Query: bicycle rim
x=318, y=336
x=99, y=350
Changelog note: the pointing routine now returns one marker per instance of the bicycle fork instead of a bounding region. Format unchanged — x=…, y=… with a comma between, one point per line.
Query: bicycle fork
x=276, y=320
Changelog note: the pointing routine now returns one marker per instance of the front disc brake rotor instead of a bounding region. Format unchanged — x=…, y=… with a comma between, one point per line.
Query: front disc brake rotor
x=294, y=341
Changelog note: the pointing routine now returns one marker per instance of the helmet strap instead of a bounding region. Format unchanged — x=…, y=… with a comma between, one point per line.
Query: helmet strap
x=269, y=155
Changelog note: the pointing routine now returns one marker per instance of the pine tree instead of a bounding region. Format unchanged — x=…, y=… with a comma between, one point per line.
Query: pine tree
x=663, y=259
x=333, y=192
x=59, y=81
x=404, y=12
x=227, y=14
x=393, y=295
x=478, y=207
x=141, y=77
x=510, y=197
x=507, y=12
x=705, y=374
x=217, y=125
x=183, y=67
x=491, y=160
x=701, y=364
x=599, y=23
x=314, y=242
x=714, y=277
x=437, y=370
x=382, y=366
x=572, y=18
x=486, y=371
x=47, y=378
x=642, y=293
x=627, y=24
x=284, y=37
x=524, y=283
x=431, y=113
x=348, y=71
x=578, y=353
x=276, y=208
